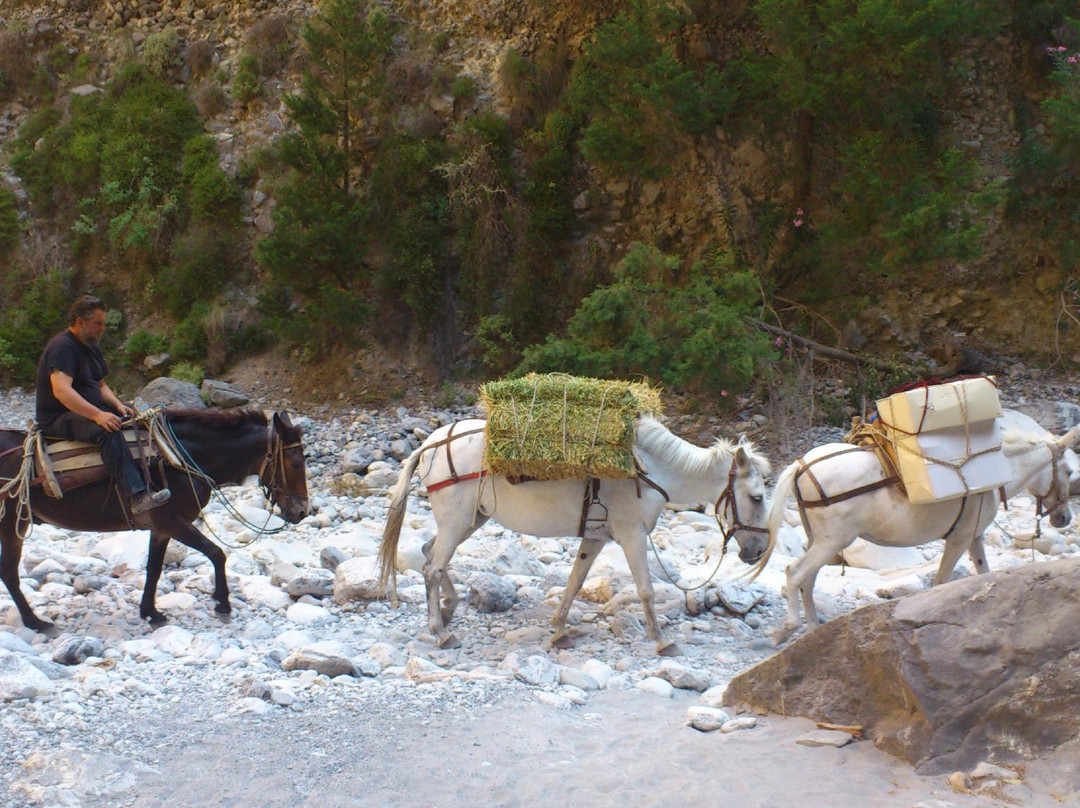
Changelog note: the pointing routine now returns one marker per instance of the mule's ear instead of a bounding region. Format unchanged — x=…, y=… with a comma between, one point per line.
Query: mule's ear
x=742, y=457
x=1068, y=440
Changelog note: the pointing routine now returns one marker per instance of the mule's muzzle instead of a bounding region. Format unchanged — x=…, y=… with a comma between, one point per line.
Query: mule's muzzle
x=750, y=555
x=1061, y=518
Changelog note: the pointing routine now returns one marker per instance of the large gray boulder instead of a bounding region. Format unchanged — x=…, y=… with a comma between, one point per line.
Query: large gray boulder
x=982, y=669
x=174, y=394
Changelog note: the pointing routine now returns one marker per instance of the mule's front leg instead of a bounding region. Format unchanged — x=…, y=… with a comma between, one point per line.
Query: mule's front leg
x=155, y=562
x=10, y=554
x=185, y=533
x=635, y=550
x=583, y=561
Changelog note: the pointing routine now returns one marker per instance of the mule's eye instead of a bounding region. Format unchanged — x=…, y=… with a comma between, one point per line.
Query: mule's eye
x=756, y=498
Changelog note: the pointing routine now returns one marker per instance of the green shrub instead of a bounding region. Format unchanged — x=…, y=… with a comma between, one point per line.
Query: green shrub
x=9, y=220
x=463, y=88
x=188, y=372
x=189, y=340
x=200, y=266
x=40, y=314
x=246, y=86
x=211, y=195
x=691, y=335
x=142, y=344
x=631, y=96
x=161, y=52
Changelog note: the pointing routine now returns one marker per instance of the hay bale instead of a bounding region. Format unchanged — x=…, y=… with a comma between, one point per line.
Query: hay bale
x=556, y=427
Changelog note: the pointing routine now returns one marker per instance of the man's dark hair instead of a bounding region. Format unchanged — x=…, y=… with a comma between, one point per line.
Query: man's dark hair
x=84, y=306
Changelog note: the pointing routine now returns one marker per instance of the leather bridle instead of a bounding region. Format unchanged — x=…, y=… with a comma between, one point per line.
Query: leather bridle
x=272, y=477
x=725, y=501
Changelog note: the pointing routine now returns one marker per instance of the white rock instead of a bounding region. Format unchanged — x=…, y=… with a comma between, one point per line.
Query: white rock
x=260, y=592
x=656, y=686
x=173, y=640
x=176, y=601
x=598, y=670
x=306, y=614
x=706, y=719
x=19, y=679
x=741, y=722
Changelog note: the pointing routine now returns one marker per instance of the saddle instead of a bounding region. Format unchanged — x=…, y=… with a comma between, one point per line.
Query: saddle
x=62, y=465
x=872, y=435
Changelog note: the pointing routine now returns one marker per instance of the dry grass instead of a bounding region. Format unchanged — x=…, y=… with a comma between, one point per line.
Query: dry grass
x=553, y=426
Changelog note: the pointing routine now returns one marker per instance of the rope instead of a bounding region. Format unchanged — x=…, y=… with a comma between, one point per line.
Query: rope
x=191, y=468
x=18, y=488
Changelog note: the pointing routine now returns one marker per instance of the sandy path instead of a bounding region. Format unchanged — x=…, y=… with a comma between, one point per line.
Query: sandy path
x=623, y=749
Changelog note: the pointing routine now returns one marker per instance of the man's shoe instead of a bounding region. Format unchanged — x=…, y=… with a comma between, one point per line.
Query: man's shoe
x=144, y=500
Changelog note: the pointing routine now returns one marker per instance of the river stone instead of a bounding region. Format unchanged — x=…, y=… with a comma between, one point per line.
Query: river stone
x=492, y=593
x=984, y=668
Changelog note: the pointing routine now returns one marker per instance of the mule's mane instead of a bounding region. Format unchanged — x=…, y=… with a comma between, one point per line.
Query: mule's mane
x=1018, y=441
x=654, y=437
x=222, y=419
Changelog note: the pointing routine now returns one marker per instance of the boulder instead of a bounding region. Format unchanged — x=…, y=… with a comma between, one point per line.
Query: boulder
x=223, y=394
x=982, y=669
x=173, y=394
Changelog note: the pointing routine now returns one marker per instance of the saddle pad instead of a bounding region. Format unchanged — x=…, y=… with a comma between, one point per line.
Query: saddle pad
x=67, y=455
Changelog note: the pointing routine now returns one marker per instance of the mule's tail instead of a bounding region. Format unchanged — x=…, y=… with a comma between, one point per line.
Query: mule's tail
x=774, y=519
x=395, y=517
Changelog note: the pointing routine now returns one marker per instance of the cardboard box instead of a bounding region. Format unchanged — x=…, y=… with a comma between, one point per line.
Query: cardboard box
x=940, y=406
x=951, y=463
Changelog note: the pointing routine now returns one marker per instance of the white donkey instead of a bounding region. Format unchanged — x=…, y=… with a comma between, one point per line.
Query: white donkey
x=847, y=494
x=463, y=496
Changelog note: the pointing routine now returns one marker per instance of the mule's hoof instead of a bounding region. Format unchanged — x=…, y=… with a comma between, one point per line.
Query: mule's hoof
x=223, y=617
x=780, y=636
x=39, y=625
x=223, y=608
x=668, y=649
x=450, y=641
x=562, y=641
x=155, y=618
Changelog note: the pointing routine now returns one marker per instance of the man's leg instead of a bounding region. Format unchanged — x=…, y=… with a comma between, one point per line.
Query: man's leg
x=114, y=451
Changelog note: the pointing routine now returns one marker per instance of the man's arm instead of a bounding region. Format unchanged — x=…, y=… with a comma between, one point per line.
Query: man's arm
x=114, y=401
x=66, y=395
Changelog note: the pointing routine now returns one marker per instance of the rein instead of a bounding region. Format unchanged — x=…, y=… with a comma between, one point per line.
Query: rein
x=272, y=458
x=725, y=500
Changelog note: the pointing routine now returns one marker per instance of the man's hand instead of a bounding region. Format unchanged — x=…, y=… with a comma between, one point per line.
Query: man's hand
x=109, y=421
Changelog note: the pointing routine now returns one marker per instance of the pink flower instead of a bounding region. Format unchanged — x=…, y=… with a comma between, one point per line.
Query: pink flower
x=779, y=342
x=1061, y=48
x=798, y=222
x=1072, y=60
x=723, y=393
x=799, y=212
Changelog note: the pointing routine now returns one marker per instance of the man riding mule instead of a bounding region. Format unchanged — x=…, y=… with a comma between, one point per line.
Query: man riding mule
x=74, y=402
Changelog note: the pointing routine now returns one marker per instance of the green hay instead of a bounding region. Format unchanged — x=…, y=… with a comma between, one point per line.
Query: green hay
x=557, y=427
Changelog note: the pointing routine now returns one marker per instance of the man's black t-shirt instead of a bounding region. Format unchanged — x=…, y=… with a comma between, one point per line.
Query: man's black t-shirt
x=86, y=366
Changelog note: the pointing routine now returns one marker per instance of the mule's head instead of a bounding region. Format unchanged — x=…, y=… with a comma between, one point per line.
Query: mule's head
x=1055, y=501
x=284, y=474
x=742, y=508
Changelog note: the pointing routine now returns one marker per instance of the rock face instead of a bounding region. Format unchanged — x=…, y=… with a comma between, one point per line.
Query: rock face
x=987, y=668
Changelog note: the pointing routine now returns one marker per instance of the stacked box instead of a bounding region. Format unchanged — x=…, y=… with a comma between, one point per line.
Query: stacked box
x=946, y=439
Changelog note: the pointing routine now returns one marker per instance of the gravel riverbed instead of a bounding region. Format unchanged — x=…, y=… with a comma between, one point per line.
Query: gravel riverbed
x=300, y=700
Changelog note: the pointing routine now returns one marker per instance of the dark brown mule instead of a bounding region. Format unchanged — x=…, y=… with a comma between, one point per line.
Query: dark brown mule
x=225, y=446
